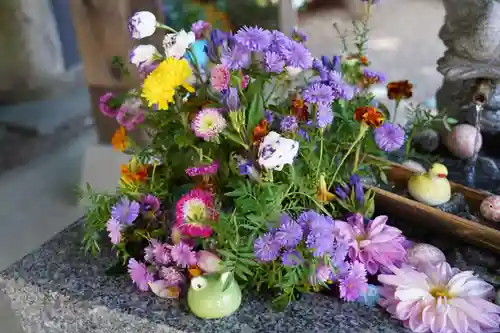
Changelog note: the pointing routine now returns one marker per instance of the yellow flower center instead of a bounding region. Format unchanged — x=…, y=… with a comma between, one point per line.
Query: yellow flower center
x=196, y=211
x=437, y=292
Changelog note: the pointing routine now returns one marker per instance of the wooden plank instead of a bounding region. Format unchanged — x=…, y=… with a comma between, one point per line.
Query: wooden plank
x=483, y=233
x=287, y=17
x=102, y=34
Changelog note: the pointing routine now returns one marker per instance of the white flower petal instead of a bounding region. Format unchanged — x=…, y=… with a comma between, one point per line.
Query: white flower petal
x=143, y=55
x=142, y=24
x=411, y=294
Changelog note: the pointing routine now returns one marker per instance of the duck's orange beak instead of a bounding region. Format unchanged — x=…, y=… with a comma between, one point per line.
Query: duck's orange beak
x=441, y=175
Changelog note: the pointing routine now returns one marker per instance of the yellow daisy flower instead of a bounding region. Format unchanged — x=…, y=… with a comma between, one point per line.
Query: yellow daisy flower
x=159, y=86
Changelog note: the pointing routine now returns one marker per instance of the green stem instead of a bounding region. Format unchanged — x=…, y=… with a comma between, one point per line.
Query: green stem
x=320, y=206
x=396, y=107
x=272, y=92
x=408, y=143
x=320, y=154
x=356, y=158
x=361, y=134
x=165, y=27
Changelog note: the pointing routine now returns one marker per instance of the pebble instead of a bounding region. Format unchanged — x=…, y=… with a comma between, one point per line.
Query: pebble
x=413, y=166
x=425, y=253
x=428, y=140
x=490, y=208
x=488, y=167
x=461, y=141
x=455, y=205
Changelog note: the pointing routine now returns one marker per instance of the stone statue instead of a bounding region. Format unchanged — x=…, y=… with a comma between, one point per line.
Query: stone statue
x=471, y=33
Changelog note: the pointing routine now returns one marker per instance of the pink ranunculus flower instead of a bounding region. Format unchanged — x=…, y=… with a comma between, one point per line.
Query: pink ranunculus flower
x=438, y=298
x=374, y=244
x=220, y=77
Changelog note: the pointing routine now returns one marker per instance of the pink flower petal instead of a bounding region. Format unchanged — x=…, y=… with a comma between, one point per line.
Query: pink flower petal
x=376, y=225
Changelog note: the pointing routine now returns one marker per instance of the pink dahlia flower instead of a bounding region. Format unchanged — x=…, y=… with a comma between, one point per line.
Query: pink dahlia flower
x=193, y=210
x=439, y=299
x=374, y=244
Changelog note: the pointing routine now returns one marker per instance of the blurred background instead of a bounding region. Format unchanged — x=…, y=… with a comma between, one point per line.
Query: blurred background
x=57, y=59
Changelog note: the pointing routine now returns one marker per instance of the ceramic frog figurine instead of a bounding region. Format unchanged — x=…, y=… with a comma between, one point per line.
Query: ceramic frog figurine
x=212, y=296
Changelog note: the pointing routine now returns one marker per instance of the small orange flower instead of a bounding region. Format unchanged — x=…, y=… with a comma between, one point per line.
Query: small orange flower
x=134, y=175
x=299, y=109
x=260, y=131
x=369, y=116
x=194, y=271
x=119, y=139
x=323, y=194
x=363, y=60
x=399, y=90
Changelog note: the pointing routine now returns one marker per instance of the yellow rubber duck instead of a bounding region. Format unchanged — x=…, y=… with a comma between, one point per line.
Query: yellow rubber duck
x=431, y=188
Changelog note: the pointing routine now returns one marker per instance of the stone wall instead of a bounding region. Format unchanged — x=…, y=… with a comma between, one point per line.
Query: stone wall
x=31, y=54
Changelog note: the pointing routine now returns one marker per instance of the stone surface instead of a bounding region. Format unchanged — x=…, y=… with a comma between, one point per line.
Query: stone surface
x=457, y=204
x=58, y=289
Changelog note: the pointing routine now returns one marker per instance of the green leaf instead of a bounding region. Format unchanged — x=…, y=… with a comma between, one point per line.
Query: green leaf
x=451, y=120
x=255, y=111
x=383, y=176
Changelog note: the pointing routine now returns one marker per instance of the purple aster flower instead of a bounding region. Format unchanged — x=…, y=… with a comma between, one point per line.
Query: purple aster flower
x=320, y=243
x=318, y=93
x=235, y=58
x=266, y=248
x=291, y=258
x=269, y=115
x=305, y=218
x=199, y=28
x=125, y=211
x=139, y=274
x=355, y=283
x=373, y=77
x=114, y=228
x=151, y=250
x=254, y=38
x=323, y=274
x=299, y=36
x=339, y=191
x=297, y=55
x=150, y=203
x=231, y=99
x=389, y=137
x=289, y=124
x=183, y=255
x=157, y=253
x=324, y=116
x=289, y=233
x=303, y=134
x=273, y=63
x=280, y=43
x=172, y=276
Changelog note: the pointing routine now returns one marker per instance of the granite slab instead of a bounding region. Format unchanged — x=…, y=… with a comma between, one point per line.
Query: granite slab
x=59, y=289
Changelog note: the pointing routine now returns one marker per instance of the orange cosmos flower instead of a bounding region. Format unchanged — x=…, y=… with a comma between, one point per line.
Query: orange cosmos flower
x=299, y=109
x=369, y=116
x=194, y=271
x=260, y=131
x=119, y=139
x=399, y=90
x=134, y=175
x=363, y=60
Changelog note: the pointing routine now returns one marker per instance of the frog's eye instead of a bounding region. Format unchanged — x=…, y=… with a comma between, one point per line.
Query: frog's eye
x=198, y=283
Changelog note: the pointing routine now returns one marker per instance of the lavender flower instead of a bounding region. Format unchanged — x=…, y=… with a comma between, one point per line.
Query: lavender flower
x=212, y=52
x=114, y=228
x=150, y=250
x=318, y=93
x=298, y=56
x=139, y=274
x=291, y=258
x=254, y=38
x=355, y=284
x=373, y=77
x=354, y=179
x=199, y=28
x=323, y=273
x=172, y=276
x=218, y=37
x=125, y=211
x=389, y=137
x=303, y=134
x=341, y=193
x=150, y=203
x=332, y=64
x=324, y=116
x=289, y=233
x=183, y=255
x=305, y=219
x=269, y=115
x=273, y=63
x=321, y=237
x=299, y=36
x=289, y=124
x=280, y=43
x=231, y=99
x=235, y=58
x=266, y=248
x=359, y=192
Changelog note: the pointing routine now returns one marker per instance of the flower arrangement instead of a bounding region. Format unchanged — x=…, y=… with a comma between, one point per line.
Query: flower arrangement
x=256, y=165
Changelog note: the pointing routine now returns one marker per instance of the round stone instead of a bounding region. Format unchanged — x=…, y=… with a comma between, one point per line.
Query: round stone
x=423, y=253
x=461, y=141
x=413, y=166
x=490, y=208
